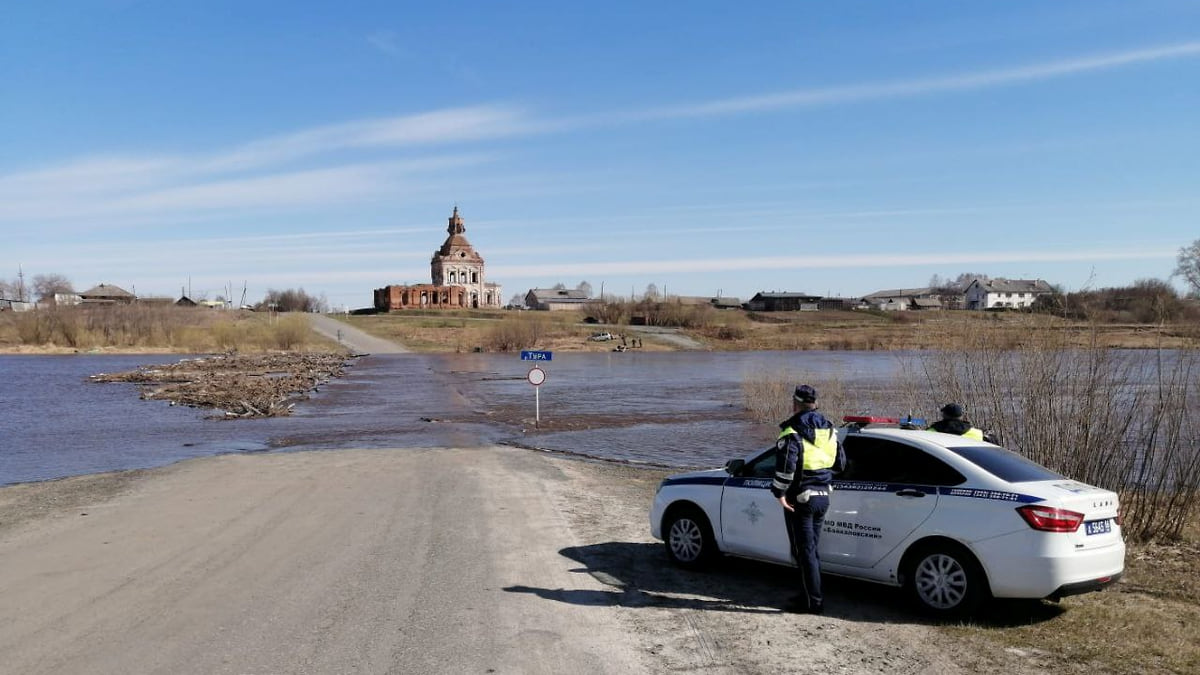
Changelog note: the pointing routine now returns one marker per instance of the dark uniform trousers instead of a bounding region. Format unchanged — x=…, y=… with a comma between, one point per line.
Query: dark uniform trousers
x=804, y=531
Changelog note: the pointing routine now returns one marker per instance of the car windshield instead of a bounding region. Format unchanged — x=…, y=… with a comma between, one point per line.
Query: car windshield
x=1005, y=464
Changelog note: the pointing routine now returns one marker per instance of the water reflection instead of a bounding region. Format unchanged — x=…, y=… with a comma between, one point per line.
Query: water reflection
x=675, y=409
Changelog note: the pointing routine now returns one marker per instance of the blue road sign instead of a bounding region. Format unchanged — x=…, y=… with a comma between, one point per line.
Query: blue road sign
x=530, y=355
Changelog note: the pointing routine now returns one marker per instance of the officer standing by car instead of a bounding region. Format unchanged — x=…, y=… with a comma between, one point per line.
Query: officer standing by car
x=807, y=454
x=953, y=422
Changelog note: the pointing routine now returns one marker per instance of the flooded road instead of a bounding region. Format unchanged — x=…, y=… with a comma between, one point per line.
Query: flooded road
x=680, y=409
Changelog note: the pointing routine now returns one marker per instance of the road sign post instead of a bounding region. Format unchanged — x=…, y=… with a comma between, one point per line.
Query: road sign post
x=536, y=377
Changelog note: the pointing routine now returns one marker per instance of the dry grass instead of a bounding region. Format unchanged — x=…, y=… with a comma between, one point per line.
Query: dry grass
x=495, y=331
x=1148, y=623
x=144, y=328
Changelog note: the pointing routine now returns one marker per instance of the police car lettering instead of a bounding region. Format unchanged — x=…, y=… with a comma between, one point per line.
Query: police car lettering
x=853, y=529
x=860, y=487
x=996, y=495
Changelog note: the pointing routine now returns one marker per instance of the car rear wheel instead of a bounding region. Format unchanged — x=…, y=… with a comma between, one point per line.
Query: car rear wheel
x=689, y=538
x=944, y=579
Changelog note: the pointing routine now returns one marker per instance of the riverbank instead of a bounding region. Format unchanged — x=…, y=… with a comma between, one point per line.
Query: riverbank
x=464, y=331
x=737, y=330
x=317, y=562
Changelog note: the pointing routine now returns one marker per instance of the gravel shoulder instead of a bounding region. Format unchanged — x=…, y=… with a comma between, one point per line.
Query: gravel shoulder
x=407, y=561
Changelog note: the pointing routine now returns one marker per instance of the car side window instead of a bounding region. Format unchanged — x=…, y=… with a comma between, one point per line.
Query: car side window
x=762, y=466
x=883, y=461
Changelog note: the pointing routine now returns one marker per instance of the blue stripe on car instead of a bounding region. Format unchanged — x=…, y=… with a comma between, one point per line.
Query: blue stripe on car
x=696, y=480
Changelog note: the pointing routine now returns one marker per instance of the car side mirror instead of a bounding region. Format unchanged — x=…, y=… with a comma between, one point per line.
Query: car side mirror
x=734, y=466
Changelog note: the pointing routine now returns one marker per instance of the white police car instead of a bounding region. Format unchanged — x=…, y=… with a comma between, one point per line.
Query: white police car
x=951, y=519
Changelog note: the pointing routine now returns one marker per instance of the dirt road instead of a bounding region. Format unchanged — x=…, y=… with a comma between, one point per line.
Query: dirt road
x=354, y=339
x=405, y=561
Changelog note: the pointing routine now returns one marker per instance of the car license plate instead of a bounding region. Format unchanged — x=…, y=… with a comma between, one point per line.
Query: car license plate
x=1098, y=526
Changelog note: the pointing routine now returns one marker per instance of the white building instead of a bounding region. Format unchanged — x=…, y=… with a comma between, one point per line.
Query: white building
x=901, y=299
x=1005, y=293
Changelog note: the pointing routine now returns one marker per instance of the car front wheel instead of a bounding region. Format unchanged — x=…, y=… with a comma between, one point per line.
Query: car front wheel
x=945, y=580
x=689, y=538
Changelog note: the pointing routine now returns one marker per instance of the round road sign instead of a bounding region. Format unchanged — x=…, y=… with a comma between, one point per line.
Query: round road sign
x=536, y=376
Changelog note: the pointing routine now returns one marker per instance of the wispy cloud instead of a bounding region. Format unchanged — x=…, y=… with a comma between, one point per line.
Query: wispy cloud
x=915, y=87
x=385, y=41
x=455, y=125
x=61, y=198
x=848, y=261
x=264, y=174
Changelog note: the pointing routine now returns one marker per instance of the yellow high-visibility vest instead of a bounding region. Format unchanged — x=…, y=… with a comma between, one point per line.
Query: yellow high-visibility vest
x=973, y=433
x=822, y=453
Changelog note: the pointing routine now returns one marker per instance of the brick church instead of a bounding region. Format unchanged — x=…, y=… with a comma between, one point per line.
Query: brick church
x=458, y=279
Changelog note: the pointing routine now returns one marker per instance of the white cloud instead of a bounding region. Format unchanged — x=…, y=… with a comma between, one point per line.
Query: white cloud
x=452, y=125
x=385, y=41
x=824, y=261
x=916, y=87
x=190, y=199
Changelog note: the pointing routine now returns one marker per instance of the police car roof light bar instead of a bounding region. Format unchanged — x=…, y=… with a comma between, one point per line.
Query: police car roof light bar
x=906, y=422
x=870, y=419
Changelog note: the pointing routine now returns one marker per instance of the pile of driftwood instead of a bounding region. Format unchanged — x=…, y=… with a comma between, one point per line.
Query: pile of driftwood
x=242, y=385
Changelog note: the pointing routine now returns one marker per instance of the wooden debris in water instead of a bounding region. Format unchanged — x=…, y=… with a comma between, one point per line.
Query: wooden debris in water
x=242, y=385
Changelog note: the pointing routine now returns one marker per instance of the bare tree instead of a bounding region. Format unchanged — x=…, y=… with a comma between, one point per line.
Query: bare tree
x=585, y=287
x=560, y=286
x=289, y=300
x=963, y=280
x=8, y=290
x=47, y=285
x=517, y=300
x=1189, y=267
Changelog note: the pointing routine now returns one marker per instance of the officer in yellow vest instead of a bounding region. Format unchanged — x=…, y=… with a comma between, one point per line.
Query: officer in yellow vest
x=807, y=455
x=952, y=422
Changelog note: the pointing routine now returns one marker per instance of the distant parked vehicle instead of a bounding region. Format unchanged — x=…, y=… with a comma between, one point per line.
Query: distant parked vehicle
x=601, y=337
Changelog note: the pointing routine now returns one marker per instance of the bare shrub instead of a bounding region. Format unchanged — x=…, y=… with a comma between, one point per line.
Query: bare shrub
x=767, y=395
x=606, y=311
x=1099, y=415
x=228, y=336
x=33, y=328
x=513, y=333
x=290, y=331
x=68, y=327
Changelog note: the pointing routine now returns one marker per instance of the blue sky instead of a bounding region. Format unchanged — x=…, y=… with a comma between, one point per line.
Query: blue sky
x=831, y=148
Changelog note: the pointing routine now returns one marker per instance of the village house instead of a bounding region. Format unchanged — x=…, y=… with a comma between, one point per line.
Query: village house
x=107, y=294
x=555, y=299
x=783, y=302
x=1005, y=293
x=13, y=305
x=457, y=272
x=903, y=299
x=718, y=302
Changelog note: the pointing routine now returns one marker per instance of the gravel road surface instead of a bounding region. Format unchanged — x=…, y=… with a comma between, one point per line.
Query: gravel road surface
x=354, y=339
x=491, y=560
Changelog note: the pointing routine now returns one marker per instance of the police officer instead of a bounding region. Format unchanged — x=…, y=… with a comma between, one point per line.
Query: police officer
x=952, y=422
x=807, y=454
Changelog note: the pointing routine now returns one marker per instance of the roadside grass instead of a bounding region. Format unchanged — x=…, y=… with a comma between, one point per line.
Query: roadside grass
x=189, y=330
x=490, y=331
x=1147, y=623
x=738, y=330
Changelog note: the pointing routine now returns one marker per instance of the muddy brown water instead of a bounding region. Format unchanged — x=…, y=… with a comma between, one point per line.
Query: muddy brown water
x=676, y=409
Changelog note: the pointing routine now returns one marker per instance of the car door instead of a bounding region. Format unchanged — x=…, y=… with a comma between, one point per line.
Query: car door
x=887, y=490
x=751, y=518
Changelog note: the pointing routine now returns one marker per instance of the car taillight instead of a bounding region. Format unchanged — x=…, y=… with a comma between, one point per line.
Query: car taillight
x=1049, y=519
